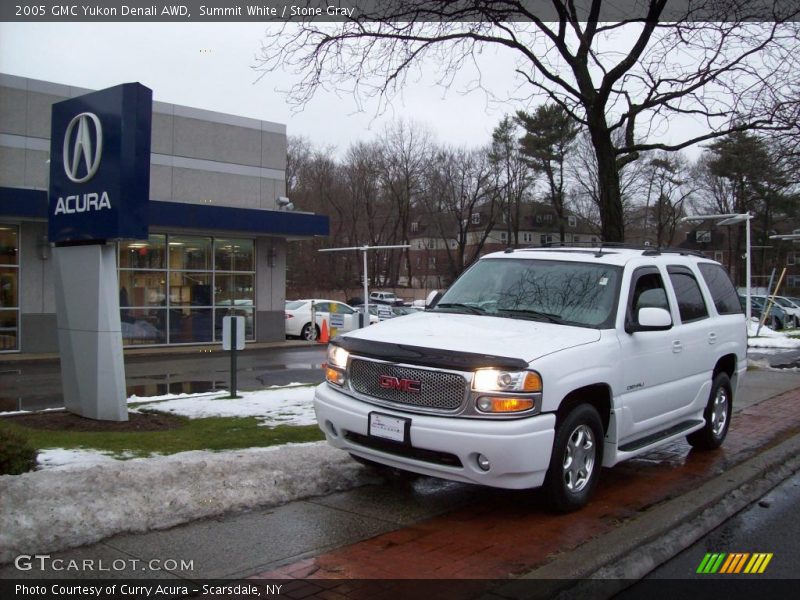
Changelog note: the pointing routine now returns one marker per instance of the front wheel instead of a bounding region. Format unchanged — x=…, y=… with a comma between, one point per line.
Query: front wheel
x=576, y=459
x=717, y=416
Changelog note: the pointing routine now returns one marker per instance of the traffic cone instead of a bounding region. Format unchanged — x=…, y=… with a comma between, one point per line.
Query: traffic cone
x=323, y=336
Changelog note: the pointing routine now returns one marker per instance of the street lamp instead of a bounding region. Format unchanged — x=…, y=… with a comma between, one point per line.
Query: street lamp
x=364, y=250
x=733, y=219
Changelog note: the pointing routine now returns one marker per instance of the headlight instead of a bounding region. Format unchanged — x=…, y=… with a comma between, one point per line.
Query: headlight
x=494, y=380
x=335, y=369
x=337, y=356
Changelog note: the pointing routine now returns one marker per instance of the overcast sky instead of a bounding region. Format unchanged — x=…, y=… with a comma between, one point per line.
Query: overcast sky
x=209, y=66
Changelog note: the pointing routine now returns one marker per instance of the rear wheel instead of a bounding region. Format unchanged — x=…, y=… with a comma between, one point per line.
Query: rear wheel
x=717, y=416
x=308, y=333
x=576, y=459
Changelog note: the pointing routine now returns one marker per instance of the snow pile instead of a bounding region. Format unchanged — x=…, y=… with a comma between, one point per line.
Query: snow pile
x=769, y=338
x=291, y=405
x=55, y=509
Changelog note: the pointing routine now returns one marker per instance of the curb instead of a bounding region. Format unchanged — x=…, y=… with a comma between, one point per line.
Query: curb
x=610, y=563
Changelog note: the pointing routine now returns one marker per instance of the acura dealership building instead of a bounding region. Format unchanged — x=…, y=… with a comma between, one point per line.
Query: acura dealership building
x=218, y=226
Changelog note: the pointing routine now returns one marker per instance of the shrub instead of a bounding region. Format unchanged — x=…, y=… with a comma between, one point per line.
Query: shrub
x=16, y=455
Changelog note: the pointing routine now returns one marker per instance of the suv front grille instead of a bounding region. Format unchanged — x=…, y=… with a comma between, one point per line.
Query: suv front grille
x=438, y=390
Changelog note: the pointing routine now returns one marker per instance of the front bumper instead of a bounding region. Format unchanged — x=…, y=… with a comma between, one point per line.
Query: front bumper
x=518, y=450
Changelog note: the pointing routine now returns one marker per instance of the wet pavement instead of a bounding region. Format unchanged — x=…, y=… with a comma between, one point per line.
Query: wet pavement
x=503, y=534
x=768, y=526
x=36, y=384
x=426, y=528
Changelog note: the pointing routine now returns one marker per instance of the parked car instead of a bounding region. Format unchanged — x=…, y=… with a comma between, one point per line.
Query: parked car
x=537, y=367
x=777, y=316
x=791, y=309
x=298, y=317
x=385, y=298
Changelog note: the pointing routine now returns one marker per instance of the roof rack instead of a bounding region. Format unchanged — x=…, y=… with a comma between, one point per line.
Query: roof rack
x=600, y=247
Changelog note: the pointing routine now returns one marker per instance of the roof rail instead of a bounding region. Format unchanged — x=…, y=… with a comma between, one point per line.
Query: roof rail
x=646, y=250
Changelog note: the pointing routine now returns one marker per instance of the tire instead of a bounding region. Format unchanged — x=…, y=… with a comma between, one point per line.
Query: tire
x=576, y=460
x=717, y=416
x=306, y=333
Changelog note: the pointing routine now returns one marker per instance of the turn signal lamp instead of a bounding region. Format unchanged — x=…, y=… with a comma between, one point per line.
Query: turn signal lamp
x=334, y=376
x=494, y=380
x=489, y=404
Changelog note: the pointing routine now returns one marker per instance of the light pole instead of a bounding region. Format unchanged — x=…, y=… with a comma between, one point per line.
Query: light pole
x=364, y=249
x=733, y=219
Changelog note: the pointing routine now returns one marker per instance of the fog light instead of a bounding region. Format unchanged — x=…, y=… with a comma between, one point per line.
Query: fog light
x=332, y=429
x=484, y=463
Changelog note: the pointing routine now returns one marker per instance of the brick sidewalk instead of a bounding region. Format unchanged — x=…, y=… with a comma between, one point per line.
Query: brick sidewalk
x=511, y=533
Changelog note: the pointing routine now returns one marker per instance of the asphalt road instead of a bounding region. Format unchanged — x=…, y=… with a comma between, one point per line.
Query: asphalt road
x=769, y=525
x=33, y=385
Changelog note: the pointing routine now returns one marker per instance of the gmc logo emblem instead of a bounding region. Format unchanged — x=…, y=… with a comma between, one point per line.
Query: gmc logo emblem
x=404, y=385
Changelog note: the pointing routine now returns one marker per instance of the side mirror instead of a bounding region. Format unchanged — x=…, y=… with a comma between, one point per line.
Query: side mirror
x=432, y=299
x=652, y=319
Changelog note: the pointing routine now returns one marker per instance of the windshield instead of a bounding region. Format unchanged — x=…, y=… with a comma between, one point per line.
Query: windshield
x=572, y=293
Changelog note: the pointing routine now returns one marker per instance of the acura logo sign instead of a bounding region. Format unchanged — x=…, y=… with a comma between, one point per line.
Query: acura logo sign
x=82, y=151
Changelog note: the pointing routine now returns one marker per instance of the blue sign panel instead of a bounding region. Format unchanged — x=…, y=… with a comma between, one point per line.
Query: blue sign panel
x=100, y=165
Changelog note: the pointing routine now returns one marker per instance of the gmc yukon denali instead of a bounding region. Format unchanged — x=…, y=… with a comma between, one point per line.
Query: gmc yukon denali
x=539, y=366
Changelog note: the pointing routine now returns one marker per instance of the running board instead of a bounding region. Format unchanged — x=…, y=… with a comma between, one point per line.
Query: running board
x=658, y=436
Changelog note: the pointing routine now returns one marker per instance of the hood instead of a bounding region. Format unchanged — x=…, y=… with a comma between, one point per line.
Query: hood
x=498, y=336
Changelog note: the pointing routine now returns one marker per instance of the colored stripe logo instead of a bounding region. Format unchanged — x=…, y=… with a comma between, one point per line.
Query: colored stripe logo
x=734, y=563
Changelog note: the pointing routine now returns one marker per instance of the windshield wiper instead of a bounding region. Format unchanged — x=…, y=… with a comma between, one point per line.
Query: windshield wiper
x=474, y=310
x=533, y=315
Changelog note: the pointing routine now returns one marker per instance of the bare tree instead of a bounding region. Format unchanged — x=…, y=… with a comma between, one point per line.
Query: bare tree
x=460, y=185
x=512, y=174
x=583, y=172
x=405, y=151
x=612, y=71
x=667, y=192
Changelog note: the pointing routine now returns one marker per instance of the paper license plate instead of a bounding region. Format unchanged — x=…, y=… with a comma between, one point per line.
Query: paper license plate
x=389, y=428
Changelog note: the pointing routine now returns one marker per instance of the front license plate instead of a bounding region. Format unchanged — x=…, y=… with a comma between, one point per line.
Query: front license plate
x=388, y=427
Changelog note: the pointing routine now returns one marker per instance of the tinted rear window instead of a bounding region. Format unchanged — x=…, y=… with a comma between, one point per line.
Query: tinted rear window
x=294, y=304
x=722, y=291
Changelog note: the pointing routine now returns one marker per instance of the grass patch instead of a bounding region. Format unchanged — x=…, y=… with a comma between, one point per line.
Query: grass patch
x=212, y=433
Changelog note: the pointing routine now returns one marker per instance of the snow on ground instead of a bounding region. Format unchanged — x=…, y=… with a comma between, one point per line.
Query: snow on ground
x=292, y=405
x=80, y=496
x=75, y=458
x=769, y=338
x=55, y=509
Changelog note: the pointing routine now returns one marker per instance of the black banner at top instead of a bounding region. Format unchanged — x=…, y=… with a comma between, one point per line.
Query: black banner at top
x=199, y=11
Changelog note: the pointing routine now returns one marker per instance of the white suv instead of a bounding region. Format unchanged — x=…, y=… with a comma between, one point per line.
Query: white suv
x=538, y=366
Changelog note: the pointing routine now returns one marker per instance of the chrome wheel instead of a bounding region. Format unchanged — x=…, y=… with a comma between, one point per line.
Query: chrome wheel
x=579, y=458
x=719, y=412
x=309, y=332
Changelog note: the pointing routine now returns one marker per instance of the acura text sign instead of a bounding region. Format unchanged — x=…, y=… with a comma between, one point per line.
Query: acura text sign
x=100, y=165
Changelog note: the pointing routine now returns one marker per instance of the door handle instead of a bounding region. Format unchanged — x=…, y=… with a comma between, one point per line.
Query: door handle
x=712, y=338
x=677, y=346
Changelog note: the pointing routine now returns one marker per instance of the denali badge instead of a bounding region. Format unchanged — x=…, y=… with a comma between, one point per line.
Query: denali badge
x=404, y=385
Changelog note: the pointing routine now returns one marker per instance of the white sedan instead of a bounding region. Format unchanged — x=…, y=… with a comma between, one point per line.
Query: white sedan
x=298, y=317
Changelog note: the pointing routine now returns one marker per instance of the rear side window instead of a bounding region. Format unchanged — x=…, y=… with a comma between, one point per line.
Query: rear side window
x=691, y=305
x=722, y=291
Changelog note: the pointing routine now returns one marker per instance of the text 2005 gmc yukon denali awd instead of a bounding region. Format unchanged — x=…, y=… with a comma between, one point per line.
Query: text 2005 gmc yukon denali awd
x=538, y=366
